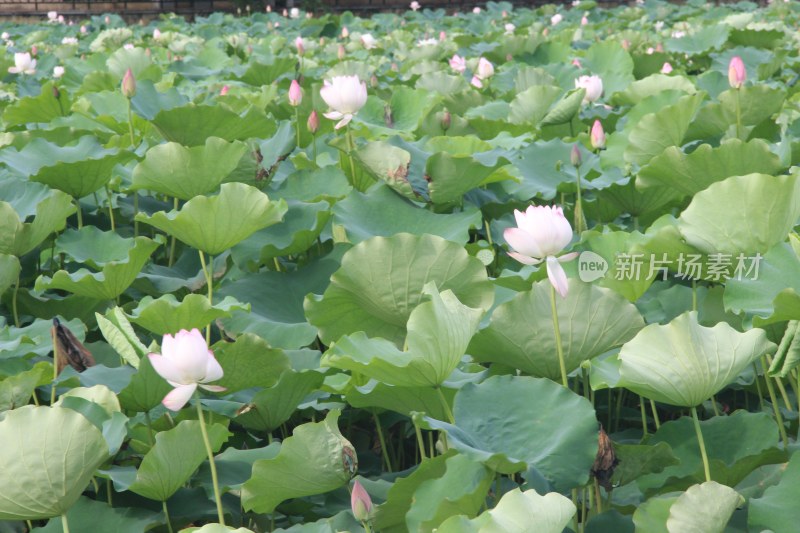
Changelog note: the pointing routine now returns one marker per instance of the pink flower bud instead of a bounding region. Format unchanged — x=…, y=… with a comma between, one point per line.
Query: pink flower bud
x=360, y=502
x=224, y=90
x=301, y=49
x=128, y=84
x=340, y=53
x=345, y=32
x=476, y=82
x=295, y=94
x=575, y=156
x=313, y=122
x=666, y=68
x=598, y=136
x=34, y=50
x=447, y=120
x=442, y=36
x=736, y=72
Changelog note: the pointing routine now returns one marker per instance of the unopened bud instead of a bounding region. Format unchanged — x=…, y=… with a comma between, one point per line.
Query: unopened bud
x=340, y=53
x=575, y=156
x=313, y=122
x=128, y=84
x=373, y=81
x=360, y=503
x=598, y=136
x=224, y=90
x=295, y=94
x=737, y=74
x=447, y=120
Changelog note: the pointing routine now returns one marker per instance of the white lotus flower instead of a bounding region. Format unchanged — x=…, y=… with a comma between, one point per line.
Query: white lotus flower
x=345, y=95
x=23, y=64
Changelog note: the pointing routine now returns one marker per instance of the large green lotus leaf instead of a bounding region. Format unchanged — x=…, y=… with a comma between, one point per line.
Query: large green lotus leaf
x=184, y=173
x=609, y=60
x=192, y=125
x=50, y=455
x=115, y=277
x=259, y=74
x=701, y=41
x=652, y=515
x=652, y=85
x=773, y=295
x=22, y=200
x=704, y=508
x=175, y=456
x=16, y=390
x=404, y=400
x=442, y=83
x=93, y=246
x=217, y=223
x=683, y=363
x=517, y=512
x=99, y=517
x=691, y=173
x=248, y=362
x=657, y=131
x=609, y=245
x=313, y=185
x=731, y=459
x=40, y=153
x=381, y=212
x=389, y=163
x=314, y=460
x=526, y=429
x=38, y=109
x=9, y=271
x=145, y=390
x=300, y=229
x=453, y=176
x=776, y=510
x=592, y=320
x=742, y=214
x=403, y=112
x=81, y=177
x=461, y=490
x=758, y=103
x=532, y=105
x=284, y=325
x=439, y=331
x=381, y=281
x=167, y=315
x=636, y=460
x=234, y=467
x=273, y=406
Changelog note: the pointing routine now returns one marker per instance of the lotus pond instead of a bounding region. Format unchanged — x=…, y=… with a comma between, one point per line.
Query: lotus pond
x=505, y=270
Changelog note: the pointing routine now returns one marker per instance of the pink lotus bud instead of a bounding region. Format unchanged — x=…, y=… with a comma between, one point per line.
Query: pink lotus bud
x=736, y=72
x=34, y=51
x=345, y=32
x=360, y=503
x=295, y=94
x=340, y=53
x=575, y=156
x=285, y=13
x=298, y=43
x=313, y=122
x=626, y=44
x=442, y=36
x=224, y=90
x=593, y=86
x=447, y=120
x=666, y=68
x=584, y=20
x=156, y=34
x=504, y=14
x=395, y=68
x=476, y=82
x=659, y=47
x=650, y=50
x=84, y=29
x=598, y=136
x=147, y=52
x=373, y=81
x=577, y=63
x=128, y=84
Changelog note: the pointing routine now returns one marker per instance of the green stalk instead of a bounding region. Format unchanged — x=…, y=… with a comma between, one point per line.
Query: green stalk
x=445, y=406
x=110, y=207
x=655, y=414
x=14, y=310
x=350, y=147
x=297, y=124
x=557, y=331
x=644, y=415
x=580, y=220
x=150, y=437
x=210, y=282
x=702, y=443
x=166, y=515
x=381, y=439
x=775, y=407
x=79, y=214
x=64, y=523
x=171, y=260
x=420, y=442
x=209, y=451
x=738, y=117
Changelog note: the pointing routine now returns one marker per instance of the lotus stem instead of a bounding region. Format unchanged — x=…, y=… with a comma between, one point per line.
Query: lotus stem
x=297, y=124
x=171, y=260
x=557, y=332
x=150, y=438
x=110, y=208
x=655, y=414
x=14, y=310
x=78, y=213
x=166, y=515
x=135, y=212
x=420, y=441
x=738, y=116
x=350, y=147
x=781, y=388
x=64, y=523
x=210, y=282
x=714, y=405
x=597, y=496
x=580, y=220
x=382, y=440
x=445, y=406
x=702, y=444
x=210, y=452
x=775, y=407
x=644, y=416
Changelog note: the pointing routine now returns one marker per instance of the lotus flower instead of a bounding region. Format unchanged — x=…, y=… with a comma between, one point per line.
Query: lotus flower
x=476, y=82
x=485, y=69
x=593, y=86
x=23, y=64
x=294, y=13
x=666, y=68
x=414, y=5
x=52, y=16
x=128, y=84
x=427, y=42
x=224, y=90
x=58, y=71
x=295, y=94
x=541, y=233
x=345, y=32
x=555, y=19
x=313, y=122
x=736, y=72
x=360, y=503
x=345, y=95
x=476, y=10
x=156, y=34
x=185, y=362
x=510, y=28
x=300, y=45
x=458, y=63
x=69, y=40
x=368, y=41
x=597, y=135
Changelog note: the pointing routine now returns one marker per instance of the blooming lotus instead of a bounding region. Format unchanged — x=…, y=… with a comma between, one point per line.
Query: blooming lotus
x=294, y=13
x=69, y=40
x=593, y=86
x=476, y=82
x=555, y=19
x=736, y=72
x=52, y=16
x=345, y=95
x=186, y=363
x=510, y=28
x=58, y=71
x=485, y=69
x=23, y=64
x=542, y=232
x=414, y=5
x=458, y=63
x=427, y=42
x=666, y=68
x=368, y=41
